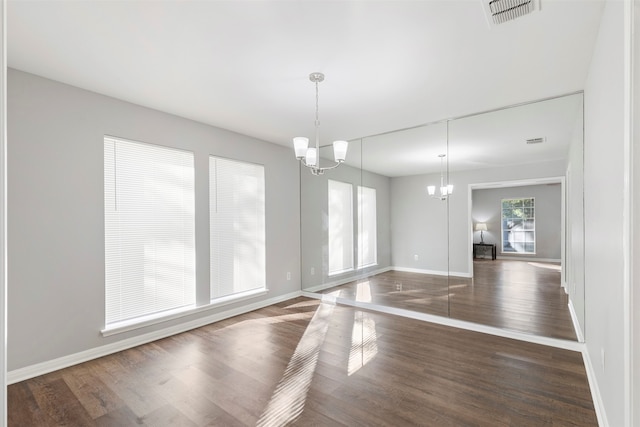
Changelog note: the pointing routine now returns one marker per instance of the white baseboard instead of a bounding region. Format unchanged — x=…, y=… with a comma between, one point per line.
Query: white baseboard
x=460, y=274
x=576, y=323
x=461, y=324
x=323, y=286
x=421, y=271
x=595, y=391
x=432, y=272
x=42, y=368
x=530, y=259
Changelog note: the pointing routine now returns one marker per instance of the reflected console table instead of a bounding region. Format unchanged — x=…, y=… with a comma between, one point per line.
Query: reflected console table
x=482, y=248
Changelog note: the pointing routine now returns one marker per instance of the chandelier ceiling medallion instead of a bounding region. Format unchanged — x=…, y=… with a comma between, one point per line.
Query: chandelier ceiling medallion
x=310, y=156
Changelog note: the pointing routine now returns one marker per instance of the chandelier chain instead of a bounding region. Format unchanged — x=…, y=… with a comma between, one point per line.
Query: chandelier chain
x=317, y=106
x=317, y=125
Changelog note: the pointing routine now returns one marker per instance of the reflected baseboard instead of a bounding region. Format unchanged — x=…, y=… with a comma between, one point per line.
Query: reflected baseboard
x=364, y=275
x=432, y=272
x=531, y=259
x=342, y=281
x=460, y=324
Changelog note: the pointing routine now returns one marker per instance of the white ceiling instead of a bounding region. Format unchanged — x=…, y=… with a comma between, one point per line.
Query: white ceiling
x=244, y=65
x=490, y=140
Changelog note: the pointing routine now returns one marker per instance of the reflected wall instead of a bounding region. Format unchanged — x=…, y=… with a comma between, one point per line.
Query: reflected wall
x=424, y=244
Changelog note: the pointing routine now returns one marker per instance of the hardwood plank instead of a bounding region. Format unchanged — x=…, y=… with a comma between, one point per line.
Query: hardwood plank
x=58, y=403
x=373, y=369
x=510, y=294
x=96, y=398
x=22, y=407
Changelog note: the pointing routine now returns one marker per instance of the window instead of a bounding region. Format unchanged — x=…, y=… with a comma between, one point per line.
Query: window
x=237, y=227
x=367, y=227
x=518, y=226
x=149, y=230
x=340, y=227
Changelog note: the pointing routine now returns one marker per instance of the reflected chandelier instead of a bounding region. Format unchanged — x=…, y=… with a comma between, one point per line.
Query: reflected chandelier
x=310, y=157
x=445, y=188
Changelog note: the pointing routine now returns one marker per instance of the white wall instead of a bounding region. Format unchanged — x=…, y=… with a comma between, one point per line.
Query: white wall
x=486, y=207
x=56, y=212
x=604, y=179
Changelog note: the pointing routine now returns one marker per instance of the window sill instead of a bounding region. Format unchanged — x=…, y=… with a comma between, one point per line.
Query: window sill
x=130, y=325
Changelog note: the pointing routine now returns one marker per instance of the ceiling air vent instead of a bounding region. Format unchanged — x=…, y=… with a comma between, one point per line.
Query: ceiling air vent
x=501, y=11
x=536, y=140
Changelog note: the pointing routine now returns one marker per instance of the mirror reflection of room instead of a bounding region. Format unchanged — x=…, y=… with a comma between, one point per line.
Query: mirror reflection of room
x=464, y=219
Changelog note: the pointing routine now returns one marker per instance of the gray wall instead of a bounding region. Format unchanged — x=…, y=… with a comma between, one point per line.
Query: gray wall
x=428, y=227
x=604, y=207
x=419, y=225
x=459, y=205
x=486, y=207
x=635, y=261
x=314, y=221
x=3, y=266
x=56, y=213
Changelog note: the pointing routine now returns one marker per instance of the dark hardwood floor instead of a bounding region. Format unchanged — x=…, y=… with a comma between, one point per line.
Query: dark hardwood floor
x=516, y=295
x=308, y=363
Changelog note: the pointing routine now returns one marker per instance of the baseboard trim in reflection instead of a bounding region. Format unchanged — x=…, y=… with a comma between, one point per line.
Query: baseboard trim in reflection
x=576, y=323
x=432, y=272
x=460, y=324
x=526, y=258
x=323, y=286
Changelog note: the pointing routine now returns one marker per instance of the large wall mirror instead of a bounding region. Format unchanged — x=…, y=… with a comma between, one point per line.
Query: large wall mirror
x=477, y=218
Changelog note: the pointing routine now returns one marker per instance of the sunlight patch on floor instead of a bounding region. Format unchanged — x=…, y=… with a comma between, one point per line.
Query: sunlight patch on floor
x=302, y=304
x=269, y=320
x=288, y=399
x=364, y=342
x=363, y=292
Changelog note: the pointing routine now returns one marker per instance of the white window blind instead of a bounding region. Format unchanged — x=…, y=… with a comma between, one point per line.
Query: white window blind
x=340, y=227
x=367, y=227
x=149, y=229
x=237, y=226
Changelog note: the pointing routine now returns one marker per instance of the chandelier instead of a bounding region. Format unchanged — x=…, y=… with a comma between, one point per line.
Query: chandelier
x=310, y=156
x=445, y=188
